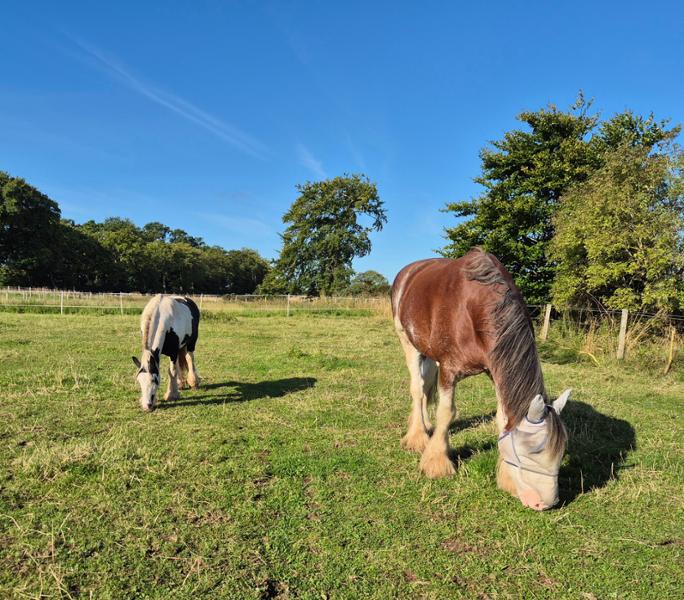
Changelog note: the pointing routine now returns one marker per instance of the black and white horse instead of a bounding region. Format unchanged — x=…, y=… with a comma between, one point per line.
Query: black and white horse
x=169, y=326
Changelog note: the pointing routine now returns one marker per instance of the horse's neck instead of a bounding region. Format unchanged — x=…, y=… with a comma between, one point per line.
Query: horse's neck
x=156, y=331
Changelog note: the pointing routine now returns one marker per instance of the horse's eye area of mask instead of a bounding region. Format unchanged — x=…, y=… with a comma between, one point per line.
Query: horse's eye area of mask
x=538, y=448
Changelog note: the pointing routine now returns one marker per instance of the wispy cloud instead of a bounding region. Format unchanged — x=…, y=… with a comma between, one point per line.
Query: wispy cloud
x=228, y=133
x=242, y=225
x=356, y=154
x=307, y=159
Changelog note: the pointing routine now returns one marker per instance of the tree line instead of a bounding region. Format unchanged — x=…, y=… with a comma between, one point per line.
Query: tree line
x=40, y=249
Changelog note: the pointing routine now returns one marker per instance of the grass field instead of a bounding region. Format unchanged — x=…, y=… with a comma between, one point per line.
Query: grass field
x=283, y=477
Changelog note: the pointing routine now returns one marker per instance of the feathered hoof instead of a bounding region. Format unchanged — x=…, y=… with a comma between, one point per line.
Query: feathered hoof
x=169, y=397
x=436, y=464
x=415, y=441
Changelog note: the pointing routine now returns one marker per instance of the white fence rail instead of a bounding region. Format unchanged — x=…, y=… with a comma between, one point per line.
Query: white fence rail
x=65, y=301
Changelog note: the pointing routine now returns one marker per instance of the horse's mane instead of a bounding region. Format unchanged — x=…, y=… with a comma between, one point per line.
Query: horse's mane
x=515, y=364
x=146, y=319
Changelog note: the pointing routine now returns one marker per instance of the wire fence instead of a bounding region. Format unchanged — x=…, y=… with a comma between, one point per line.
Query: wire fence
x=626, y=328
x=69, y=301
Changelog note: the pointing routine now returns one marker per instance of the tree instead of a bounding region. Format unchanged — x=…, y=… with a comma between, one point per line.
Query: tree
x=126, y=242
x=369, y=283
x=527, y=172
x=178, y=236
x=156, y=232
x=245, y=270
x=84, y=263
x=618, y=235
x=29, y=231
x=324, y=235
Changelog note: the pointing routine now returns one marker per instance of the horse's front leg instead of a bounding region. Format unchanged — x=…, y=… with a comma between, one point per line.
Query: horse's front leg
x=435, y=461
x=503, y=478
x=172, y=392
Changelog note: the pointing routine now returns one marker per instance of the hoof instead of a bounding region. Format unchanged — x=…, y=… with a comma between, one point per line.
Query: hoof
x=415, y=442
x=194, y=384
x=171, y=397
x=436, y=464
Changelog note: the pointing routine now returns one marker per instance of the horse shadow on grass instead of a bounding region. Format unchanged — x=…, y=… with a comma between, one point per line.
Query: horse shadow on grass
x=597, y=450
x=238, y=391
x=464, y=452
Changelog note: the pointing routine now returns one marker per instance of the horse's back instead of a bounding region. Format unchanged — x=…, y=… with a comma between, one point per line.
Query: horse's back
x=190, y=338
x=442, y=310
x=175, y=320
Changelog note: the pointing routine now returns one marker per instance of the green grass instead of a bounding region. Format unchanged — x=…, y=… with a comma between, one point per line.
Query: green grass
x=283, y=476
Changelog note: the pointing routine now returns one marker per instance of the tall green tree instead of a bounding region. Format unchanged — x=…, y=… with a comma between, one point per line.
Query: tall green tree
x=524, y=176
x=369, y=283
x=29, y=234
x=245, y=270
x=618, y=236
x=128, y=245
x=329, y=224
x=84, y=264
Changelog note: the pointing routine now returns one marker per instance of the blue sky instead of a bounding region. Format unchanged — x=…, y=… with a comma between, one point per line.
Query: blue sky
x=205, y=115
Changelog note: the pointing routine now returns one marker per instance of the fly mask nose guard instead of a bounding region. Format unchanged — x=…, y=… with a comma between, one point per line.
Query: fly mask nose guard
x=535, y=437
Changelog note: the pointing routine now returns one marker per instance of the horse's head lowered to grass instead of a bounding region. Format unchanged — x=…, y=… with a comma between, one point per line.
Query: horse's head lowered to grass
x=530, y=454
x=148, y=378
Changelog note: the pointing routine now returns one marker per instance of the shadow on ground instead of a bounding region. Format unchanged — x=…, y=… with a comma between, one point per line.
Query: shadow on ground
x=597, y=450
x=473, y=421
x=462, y=453
x=236, y=391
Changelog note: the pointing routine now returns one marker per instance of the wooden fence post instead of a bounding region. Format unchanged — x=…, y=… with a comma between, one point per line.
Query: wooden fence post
x=623, y=335
x=121, y=302
x=547, y=322
x=201, y=299
x=288, y=305
x=61, y=303
x=670, y=357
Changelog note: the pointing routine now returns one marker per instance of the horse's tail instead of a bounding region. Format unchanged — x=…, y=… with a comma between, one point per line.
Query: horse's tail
x=183, y=360
x=429, y=371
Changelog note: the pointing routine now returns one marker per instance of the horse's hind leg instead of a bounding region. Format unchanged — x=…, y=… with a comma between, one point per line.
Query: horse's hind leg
x=417, y=436
x=182, y=368
x=193, y=377
x=435, y=461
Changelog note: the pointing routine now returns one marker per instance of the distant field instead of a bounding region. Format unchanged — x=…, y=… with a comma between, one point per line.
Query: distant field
x=283, y=477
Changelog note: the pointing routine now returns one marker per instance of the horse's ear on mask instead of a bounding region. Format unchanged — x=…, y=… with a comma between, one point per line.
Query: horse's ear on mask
x=537, y=408
x=136, y=362
x=559, y=403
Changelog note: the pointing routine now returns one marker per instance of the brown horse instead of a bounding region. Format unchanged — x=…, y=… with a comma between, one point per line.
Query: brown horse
x=457, y=318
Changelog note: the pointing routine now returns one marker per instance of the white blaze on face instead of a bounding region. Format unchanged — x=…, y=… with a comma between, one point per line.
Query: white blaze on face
x=148, y=387
x=148, y=379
